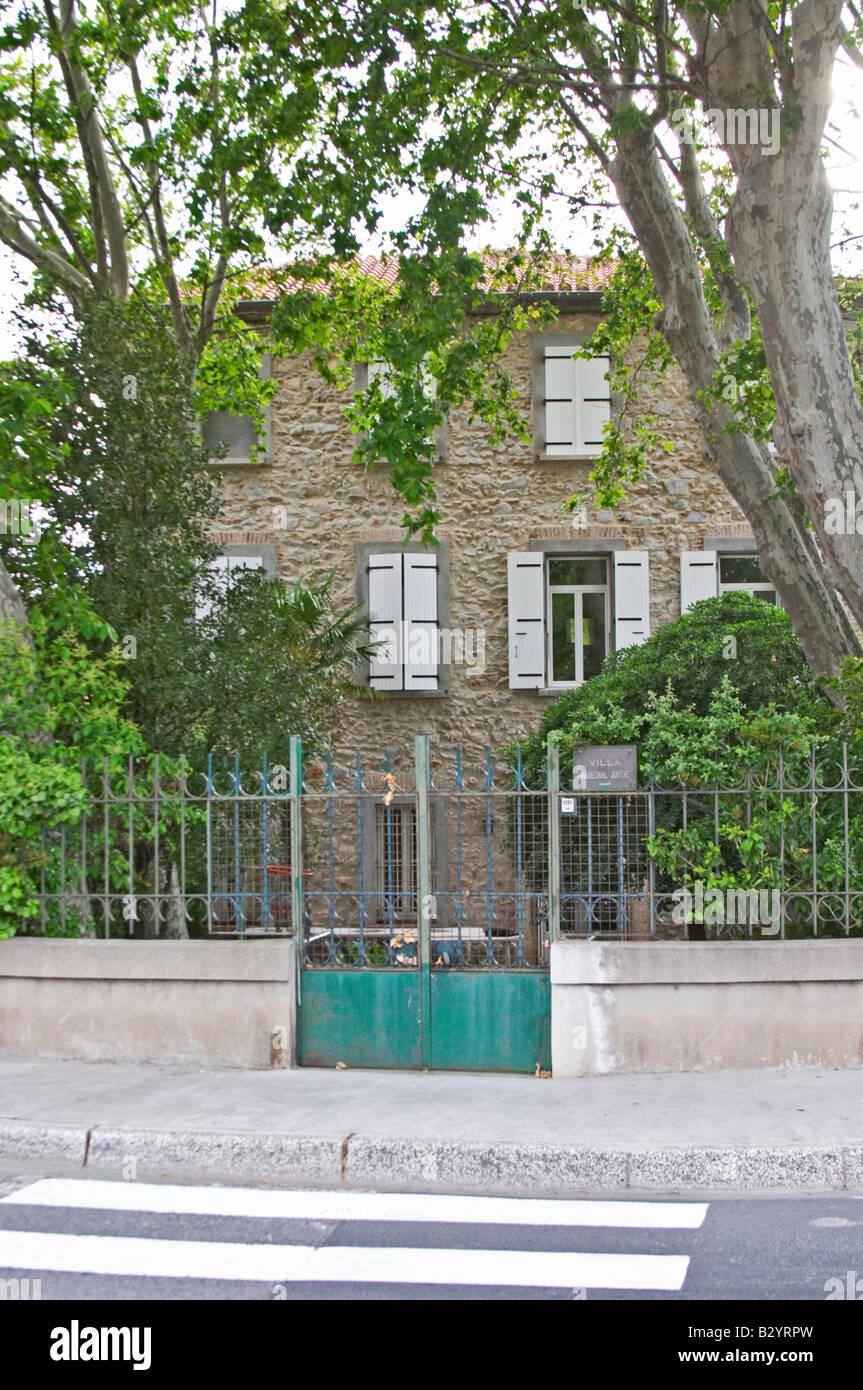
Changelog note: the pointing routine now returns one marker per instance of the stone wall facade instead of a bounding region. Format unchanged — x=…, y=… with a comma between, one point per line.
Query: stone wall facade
x=316, y=506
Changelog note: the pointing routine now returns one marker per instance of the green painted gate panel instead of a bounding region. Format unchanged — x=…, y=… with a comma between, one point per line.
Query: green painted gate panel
x=490, y=1020
x=364, y=1018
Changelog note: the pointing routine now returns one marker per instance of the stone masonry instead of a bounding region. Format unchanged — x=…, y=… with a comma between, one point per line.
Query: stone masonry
x=315, y=505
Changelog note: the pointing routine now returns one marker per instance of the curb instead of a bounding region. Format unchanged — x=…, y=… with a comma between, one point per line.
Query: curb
x=402, y=1164
x=60, y=1143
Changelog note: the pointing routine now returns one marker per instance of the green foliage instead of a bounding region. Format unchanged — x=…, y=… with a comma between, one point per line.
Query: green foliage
x=735, y=636
x=434, y=362
x=128, y=496
x=721, y=697
x=60, y=705
x=275, y=662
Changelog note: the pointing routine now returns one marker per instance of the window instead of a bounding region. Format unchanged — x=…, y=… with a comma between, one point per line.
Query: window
x=235, y=558
x=367, y=372
x=578, y=634
x=706, y=573
x=567, y=612
x=744, y=572
x=396, y=862
x=572, y=400
x=407, y=600
x=236, y=432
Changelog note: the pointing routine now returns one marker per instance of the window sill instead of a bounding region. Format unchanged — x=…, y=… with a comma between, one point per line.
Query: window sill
x=566, y=458
x=264, y=462
x=409, y=694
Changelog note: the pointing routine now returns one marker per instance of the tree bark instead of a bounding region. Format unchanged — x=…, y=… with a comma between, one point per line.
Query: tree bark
x=779, y=229
x=12, y=610
x=788, y=555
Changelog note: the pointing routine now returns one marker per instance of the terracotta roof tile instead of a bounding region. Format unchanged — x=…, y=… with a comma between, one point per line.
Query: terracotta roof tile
x=556, y=273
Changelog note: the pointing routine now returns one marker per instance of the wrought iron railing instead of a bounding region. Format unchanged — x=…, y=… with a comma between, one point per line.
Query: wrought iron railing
x=467, y=858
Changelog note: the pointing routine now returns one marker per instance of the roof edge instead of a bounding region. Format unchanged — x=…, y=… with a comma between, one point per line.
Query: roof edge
x=261, y=309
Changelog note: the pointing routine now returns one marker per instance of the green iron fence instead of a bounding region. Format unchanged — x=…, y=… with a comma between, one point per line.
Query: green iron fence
x=434, y=854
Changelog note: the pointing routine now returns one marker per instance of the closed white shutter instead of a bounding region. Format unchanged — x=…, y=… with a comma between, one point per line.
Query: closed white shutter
x=560, y=389
x=385, y=615
x=697, y=576
x=577, y=402
x=244, y=562
x=593, y=403
x=525, y=604
x=631, y=598
x=222, y=568
x=377, y=369
x=420, y=646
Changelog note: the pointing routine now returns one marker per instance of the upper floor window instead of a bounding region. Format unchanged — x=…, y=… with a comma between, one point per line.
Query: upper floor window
x=365, y=373
x=235, y=434
x=572, y=398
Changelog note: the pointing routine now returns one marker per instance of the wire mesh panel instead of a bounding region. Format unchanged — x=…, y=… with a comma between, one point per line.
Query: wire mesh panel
x=360, y=848
x=489, y=905
x=605, y=865
x=249, y=851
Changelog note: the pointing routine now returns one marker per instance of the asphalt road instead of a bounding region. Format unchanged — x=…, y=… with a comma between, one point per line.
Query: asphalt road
x=96, y=1240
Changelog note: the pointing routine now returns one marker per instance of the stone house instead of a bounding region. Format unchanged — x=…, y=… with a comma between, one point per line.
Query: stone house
x=521, y=599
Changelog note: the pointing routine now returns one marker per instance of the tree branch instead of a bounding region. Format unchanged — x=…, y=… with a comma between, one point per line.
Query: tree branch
x=13, y=231
x=107, y=213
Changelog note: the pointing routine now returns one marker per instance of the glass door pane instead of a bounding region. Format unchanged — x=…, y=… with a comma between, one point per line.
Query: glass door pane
x=593, y=633
x=562, y=637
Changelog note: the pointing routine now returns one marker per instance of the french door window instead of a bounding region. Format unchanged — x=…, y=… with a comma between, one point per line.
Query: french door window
x=578, y=618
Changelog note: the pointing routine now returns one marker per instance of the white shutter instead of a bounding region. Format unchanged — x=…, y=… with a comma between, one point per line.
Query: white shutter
x=385, y=620
x=560, y=389
x=377, y=368
x=525, y=603
x=631, y=598
x=420, y=647
x=697, y=576
x=244, y=562
x=593, y=403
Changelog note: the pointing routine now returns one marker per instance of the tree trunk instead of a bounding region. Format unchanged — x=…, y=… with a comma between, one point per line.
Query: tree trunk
x=788, y=556
x=12, y=608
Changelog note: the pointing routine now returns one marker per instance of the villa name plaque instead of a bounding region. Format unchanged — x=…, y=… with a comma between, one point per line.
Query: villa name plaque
x=605, y=769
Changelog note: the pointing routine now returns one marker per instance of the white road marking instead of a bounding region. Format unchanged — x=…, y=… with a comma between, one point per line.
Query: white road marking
x=357, y=1206
x=179, y=1259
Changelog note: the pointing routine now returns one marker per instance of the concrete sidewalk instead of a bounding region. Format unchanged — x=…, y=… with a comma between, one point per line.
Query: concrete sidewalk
x=712, y=1131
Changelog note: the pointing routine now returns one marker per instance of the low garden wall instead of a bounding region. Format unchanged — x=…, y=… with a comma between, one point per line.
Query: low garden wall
x=230, y=1003
x=697, y=1006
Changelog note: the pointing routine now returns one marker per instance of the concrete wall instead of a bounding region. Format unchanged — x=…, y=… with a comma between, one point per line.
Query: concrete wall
x=230, y=1003
x=696, y=1006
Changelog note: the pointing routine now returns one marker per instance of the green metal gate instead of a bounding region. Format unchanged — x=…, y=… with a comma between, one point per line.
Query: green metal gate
x=426, y=925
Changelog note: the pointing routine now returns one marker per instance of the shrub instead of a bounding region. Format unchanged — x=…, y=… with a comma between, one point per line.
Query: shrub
x=714, y=700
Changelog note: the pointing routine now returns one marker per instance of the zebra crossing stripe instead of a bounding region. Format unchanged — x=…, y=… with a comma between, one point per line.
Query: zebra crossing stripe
x=282, y=1264
x=284, y=1204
